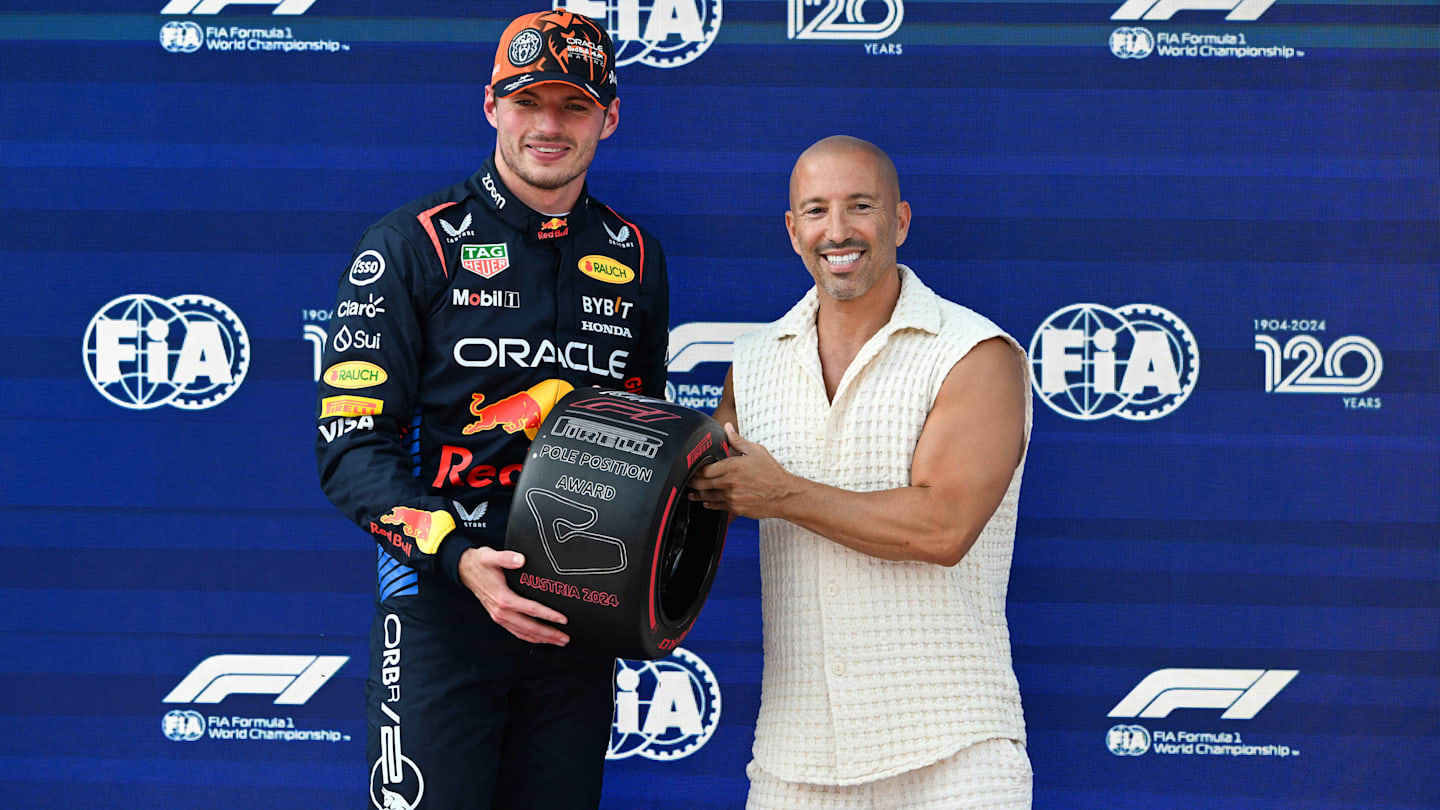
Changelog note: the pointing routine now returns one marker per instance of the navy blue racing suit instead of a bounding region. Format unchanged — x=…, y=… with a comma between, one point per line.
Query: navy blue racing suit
x=460, y=320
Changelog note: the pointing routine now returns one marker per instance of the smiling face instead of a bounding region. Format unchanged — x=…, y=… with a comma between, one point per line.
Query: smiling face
x=545, y=138
x=846, y=217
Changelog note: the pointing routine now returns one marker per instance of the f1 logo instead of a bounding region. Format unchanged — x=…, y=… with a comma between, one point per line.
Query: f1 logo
x=1242, y=693
x=294, y=678
x=215, y=6
x=1240, y=10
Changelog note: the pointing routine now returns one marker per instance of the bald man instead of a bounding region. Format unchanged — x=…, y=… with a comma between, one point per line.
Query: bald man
x=881, y=433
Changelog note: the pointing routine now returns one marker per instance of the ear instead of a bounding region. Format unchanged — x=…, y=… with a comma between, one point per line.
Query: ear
x=490, y=102
x=790, y=228
x=902, y=222
x=612, y=119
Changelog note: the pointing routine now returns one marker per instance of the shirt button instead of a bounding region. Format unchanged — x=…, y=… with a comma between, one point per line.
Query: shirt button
x=837, y=668
x=832, y=589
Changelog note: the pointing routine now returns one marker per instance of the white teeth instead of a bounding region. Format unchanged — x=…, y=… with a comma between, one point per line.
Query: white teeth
x=843, y=259
x=547, y=149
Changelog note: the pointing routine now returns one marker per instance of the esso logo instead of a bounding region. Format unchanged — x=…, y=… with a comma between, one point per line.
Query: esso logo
x=1137, y=362
x=367, y=268
x=664, y=710
x=189, y=351
x=657, y=33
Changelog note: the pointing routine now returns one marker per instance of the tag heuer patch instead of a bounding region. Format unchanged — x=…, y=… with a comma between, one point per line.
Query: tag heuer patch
x=484, y=260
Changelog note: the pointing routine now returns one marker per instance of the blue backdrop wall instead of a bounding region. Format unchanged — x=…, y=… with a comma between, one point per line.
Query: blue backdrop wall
x=1217, y=230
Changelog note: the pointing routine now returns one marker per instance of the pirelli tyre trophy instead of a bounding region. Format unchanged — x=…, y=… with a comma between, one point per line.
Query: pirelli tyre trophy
x=609, y=537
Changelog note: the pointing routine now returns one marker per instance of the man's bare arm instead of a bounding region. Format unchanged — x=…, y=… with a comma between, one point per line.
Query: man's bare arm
x=964, y=459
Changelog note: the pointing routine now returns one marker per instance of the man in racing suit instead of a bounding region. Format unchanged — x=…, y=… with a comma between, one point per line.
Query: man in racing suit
x=463, y=316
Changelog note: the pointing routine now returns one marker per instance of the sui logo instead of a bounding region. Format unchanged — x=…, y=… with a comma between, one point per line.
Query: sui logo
x=827, y=22
x=181, y=37
x=664, y=710
x=1137, y=362
x=183, y=725
x=657, y=33
x=1127, y=741
x=190, y=352
x=1132, y=43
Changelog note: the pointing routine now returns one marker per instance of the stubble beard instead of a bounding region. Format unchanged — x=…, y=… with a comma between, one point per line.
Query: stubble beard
x=547, y=179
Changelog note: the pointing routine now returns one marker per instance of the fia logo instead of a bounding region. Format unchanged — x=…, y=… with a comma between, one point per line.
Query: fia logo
x=657, y=33
x=664, y=710
x=183, y=725
x=1240, y=10
x=1127, y=741
x=1132, y=43
x=181, y=37
x=826, y=23
x=190, y=351
x=1137, y=362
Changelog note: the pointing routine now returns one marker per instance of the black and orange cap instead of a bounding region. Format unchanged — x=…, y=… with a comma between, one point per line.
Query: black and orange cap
x=556, y=46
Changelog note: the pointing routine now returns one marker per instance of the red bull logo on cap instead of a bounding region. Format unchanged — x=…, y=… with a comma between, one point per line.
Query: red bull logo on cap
x=521, y=411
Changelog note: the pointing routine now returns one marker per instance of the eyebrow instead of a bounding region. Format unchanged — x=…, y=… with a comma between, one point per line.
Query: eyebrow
x=859, y=195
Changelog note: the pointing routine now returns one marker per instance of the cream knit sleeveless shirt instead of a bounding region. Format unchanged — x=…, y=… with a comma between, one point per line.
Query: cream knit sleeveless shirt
x=872, y=668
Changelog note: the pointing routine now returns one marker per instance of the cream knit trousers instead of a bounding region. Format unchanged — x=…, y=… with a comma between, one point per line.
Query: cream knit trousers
x=991, y=775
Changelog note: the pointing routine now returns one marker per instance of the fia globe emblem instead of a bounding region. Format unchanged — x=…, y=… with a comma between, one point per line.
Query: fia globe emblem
x=181, y=37
x=183, y=725
x=1137, y=362
x=664, y=710
x=1129, y=42
x=1127, y=740
x=189, y=352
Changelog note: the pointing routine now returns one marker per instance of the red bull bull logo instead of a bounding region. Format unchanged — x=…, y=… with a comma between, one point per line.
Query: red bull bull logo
x=427, y=528
x=521, y=411
x=554, y=227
